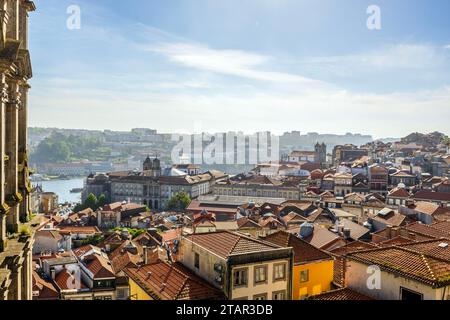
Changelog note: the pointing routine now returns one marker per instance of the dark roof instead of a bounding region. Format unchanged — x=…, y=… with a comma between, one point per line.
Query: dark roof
x=353, y=247
x=432, y=195
x=303, y=251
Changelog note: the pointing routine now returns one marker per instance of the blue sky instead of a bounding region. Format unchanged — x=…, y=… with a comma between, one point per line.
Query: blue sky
x=248, y=65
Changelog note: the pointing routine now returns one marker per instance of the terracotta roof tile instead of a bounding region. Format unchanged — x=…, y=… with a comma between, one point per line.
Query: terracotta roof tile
x=408, y=263
x=45, y=290
x=437, y=248
x=432, y=195
x=303, y=251
x=341, y=294
x=225, y=243
x=436, y=230
x=172, y=282
x=65, y=280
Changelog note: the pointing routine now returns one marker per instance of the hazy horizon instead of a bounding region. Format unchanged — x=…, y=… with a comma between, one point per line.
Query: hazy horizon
x=272, y=65
x=245, y=132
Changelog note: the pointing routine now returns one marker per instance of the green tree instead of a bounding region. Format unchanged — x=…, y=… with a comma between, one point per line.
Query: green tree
x=179, y=201
x=91, y=202
x=101, y=201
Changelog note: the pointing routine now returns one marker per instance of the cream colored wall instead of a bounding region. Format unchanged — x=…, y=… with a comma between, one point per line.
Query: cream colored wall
x=207, y=261
x=251, y=289
x=356, y=278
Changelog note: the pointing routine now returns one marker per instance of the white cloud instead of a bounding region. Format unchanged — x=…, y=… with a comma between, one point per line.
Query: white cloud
x=405, y=56
x=227, y=62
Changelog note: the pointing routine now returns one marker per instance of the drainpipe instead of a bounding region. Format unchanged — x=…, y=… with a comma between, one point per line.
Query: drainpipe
x=291, y=268
x=228, y=281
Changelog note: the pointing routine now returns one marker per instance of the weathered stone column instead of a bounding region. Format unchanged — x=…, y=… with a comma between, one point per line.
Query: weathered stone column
x=12, y=31
x=4, y=208
x=24, y=182
x=27, y=273
x=15, y=288
x=13, y=197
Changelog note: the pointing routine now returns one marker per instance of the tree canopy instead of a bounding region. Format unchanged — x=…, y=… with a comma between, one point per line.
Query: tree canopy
x=91, y=202
x=179, y=201
x=62, y=148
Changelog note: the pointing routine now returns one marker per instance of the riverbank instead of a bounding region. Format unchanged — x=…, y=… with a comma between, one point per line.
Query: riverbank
x=63, y=188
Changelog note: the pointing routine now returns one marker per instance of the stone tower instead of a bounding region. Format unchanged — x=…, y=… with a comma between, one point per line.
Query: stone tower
x=15, y=187
x=152, y=167
x=321, y=151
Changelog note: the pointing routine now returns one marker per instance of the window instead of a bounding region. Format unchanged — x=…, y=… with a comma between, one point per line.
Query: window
x=260, y=297
x=121, y=293
x=279, y=271
x=260, y=274
x=304, y=276
x=279, y=295
x=197, y=261
x=240, y=277
x=407, y=294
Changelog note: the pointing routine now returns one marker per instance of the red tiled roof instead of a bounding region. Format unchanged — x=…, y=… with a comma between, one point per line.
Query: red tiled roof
x=45, y=289
x=292, y=216
x=303, y=251
x=399, y=193
x=245, y=222
x=197, y=206
x=124, y=259
x=80, y=229
x=322, y=238
x=339, y=253
x=408, y=263
x=83, y=250
x=432, y=195
x=64, y=280
x=436, y=230
x=393, y=219
x=427, y=207
x=353, y=247
x=341, y=294
x=436, y=248
x=225, y=243
x=398, y=240
x=269, y=220
x=99, y=266
x=171, y=234
x=172, y=282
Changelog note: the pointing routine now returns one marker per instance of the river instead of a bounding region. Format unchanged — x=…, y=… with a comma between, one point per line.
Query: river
x=62, y=189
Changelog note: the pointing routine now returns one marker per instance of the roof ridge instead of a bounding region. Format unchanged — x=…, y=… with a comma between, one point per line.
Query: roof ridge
x=182, y=286
x=235, y=244
x=428, y=256
x=425, y=260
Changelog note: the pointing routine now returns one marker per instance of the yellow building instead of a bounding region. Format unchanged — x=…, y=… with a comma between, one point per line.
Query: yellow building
x=312, y=271
x=242, y=267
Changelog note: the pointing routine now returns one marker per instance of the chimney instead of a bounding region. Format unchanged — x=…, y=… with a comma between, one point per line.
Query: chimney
x=53, y=274
x=306, y=229
x=389, y=232
x=346, y=233
x=145, y=254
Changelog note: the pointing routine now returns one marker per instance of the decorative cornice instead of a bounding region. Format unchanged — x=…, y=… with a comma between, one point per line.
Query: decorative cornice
x=4, y=208
x=14, y=199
